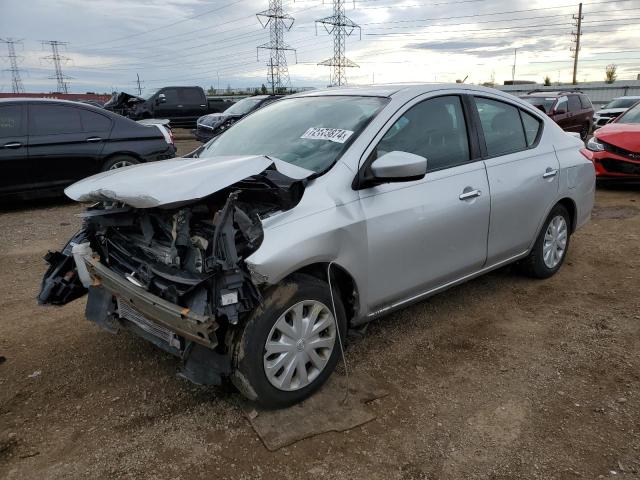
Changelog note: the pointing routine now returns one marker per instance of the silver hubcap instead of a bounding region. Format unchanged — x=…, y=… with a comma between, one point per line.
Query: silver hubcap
x=120, y=164
x=299, y=345
x=555, y=241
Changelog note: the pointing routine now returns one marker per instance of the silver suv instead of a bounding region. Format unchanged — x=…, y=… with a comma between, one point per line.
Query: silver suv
x=320, y=212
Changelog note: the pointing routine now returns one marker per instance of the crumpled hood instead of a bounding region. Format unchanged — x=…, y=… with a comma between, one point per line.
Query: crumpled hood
x=177, y=180
x=623, y=135
x=212, y=120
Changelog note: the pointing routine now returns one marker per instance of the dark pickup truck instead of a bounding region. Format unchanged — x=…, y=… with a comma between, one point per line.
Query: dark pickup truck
x=182, y=106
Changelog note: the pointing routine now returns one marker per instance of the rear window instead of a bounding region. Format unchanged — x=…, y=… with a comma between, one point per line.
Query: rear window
x=53, y=120
x=191, y=96
x=586, y=103
x=11, y=121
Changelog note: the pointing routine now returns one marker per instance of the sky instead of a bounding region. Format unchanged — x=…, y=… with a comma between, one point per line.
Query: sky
x=213, y=42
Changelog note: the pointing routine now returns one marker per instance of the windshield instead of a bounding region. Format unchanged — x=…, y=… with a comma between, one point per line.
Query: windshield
x=621, y=103
x=150, y=94
x=630, y=116
x=310, y=132
x=542, y=103
x=243, y=106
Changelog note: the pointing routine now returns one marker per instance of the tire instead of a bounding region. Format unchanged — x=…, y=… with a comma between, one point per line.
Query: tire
x=545, y=258
x=585, y=131
x=118, y=161
x=261, y=375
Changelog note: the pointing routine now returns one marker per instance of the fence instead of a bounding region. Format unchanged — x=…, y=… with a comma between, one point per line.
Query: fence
x=600, y=93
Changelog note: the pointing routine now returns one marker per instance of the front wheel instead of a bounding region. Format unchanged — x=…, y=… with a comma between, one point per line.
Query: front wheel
x=551, y=246
x=584, y=132
x=290, y=344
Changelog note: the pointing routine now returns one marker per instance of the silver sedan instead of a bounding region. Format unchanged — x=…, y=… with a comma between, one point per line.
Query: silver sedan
x=320, y=212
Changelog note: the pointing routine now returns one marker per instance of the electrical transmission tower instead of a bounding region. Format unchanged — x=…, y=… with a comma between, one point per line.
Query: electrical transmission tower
x=576, y=39
x=16, y=80
x=341, y=27
x=278, y=22
x=57, y=60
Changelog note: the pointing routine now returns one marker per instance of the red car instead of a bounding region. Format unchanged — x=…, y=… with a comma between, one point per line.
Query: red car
x=615, y=148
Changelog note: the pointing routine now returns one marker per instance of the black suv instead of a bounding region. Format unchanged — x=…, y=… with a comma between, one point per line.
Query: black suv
x=45, y=145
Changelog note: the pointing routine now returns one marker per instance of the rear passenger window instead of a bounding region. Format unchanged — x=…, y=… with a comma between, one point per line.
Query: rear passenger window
x=503, y=132
x=574, y=103
x=434, y=129
x=190, y=96
x=586, y=103
x=531, y=127
x=94, y=122
x=11, y=121
x=53, y=120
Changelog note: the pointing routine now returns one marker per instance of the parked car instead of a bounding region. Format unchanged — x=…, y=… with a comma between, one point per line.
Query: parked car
x=46, y=145
x=614, y=148
x=572, y=110
x=181, y=105
x=613, y=109
x=324, y=211
x=213, y=124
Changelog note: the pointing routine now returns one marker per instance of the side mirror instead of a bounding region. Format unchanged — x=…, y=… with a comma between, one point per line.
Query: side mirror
x=162, y=98
x=399, y=167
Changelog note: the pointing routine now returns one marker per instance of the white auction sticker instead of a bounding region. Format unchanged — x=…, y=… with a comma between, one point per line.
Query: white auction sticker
x=337, y=135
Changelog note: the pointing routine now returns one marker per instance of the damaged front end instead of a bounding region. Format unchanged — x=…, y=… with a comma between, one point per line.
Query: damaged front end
x=174, y=275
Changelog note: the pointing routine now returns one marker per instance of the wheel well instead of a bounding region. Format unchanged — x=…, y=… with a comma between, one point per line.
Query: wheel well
x=571, y=208
x=122, y=154
x=341, y=279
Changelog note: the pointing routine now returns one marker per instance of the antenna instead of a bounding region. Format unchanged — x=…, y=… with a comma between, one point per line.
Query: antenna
x=278, y=22
x=16, y=80
x=341, y=27
x=57, y=60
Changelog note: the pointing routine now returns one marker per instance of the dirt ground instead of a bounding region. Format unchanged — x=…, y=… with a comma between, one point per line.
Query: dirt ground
x=501, y=378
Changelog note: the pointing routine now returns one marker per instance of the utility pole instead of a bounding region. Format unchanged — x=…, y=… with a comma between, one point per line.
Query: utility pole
x=278, y=22
x=139, y=87
x=341, y=27
x=577, y=34
x=513, y=69
x=57, y=60
x=16, y=80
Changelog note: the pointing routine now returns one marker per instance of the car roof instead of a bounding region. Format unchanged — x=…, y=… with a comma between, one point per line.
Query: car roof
x=45, y=101
x=628, y=97
x=393, y=89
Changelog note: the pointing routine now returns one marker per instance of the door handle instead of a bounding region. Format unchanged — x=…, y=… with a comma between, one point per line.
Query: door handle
x=12, y=145
x=550, y=173
x=94, y=139
x=469, y=194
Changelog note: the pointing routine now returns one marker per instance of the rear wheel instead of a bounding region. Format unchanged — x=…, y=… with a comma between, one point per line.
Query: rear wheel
x=119, y=161
x=551, y=246
x=290, y=345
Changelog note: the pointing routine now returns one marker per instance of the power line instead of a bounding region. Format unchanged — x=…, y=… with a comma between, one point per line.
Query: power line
x=341, y=27
x=16, y=80
x=57, y=60
x=278, y=22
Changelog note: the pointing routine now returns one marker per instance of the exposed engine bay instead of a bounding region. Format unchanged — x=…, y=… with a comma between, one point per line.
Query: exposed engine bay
x=175, y=275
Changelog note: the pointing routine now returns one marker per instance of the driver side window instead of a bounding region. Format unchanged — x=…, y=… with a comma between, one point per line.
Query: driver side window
x=434, y=129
